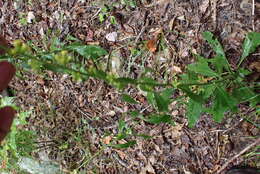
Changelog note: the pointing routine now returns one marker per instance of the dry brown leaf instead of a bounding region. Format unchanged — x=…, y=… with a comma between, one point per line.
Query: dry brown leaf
x=204, y=6
x=176, y=69
x=148, y=169
x=175, y=131
x=255, y=65
x=152, y=45
x=121, y=154
x=107, y=139
x=40, y=81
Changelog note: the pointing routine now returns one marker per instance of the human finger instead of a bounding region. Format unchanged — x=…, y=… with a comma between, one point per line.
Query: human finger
x=6, y=119
x=7, y=71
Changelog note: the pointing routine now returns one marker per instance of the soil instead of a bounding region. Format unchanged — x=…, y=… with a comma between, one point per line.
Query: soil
x=72, y=119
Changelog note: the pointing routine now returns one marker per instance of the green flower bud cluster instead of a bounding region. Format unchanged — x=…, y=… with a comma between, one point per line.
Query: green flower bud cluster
x=19, y=48
x=34, y=64
x=62, y=57
x=76, y=76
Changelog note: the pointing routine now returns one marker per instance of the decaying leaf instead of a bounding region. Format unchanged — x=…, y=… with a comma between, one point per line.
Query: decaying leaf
x=112, y=37
x=176, y=69
x=30, y=17
x=204, y=6
x=255, y=66
x=107, y=139
x=148, y=169
x=152, y=45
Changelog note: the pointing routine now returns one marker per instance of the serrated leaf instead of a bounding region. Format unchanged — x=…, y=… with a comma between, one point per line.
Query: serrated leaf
x=245, y=94
x=157, y=119
x=56, y=68
x=125, y=145
x=147, y=84
x=194, y=109
x=167, y=93
x=220, y=61
x=163, y=99
x=202, y=67
x=161, y=103
x=99, y=74
x=251, y=42
x=128, y=99
x=146, y=88
x=208, y=90
x=214, y=43
x=148, y=81
x=88, y=51
x=196, y=97
x=189, y=77
x=126, y=80
x=222, y=102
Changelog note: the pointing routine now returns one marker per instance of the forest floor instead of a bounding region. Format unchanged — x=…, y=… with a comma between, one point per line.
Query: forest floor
x=72, y=120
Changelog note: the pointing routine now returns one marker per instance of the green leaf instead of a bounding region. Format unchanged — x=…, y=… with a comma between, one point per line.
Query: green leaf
x=121, y=135
x=194, y=109
x=222, y=102
x=201, y=67
x=88, y=51
x=125, y=145
x=208, y=90
x=144, y=136
x=245, y=94
x=220, y=61
x=148, y=81
x=161, y=103
x=189, y=78
x=121, y=125
x=196, y=97
x=251, y=42
x=157, y=119
x=146, y=88
x=134, y=114
x=163, y=99
x=214, y=43
x=128, y=99
x=99, y=74
x=125, y=80
x=150, y=98
x=56, y=68
x=167, y=93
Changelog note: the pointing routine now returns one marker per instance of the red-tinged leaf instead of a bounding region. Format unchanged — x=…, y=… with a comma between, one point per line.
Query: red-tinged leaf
x=152, y=45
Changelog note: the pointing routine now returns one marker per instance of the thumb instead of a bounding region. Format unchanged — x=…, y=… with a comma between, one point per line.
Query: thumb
x=6, y=119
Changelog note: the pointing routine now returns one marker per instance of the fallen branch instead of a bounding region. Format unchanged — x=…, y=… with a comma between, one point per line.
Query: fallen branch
x=239, y=154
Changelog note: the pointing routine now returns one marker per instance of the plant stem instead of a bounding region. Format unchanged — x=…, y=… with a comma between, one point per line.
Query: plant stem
x=65, y=68
x=87, y=161
x=208, y=83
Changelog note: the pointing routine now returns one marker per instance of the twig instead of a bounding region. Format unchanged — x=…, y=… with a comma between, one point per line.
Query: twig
x=235, y=125
x=99, y=10
x=253, y=15
x=214, y=16
x=139, y=35
x=88, y=160
x=239, y=154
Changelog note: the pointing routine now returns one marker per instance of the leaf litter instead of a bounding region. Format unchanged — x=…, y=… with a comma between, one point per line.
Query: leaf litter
x=71, y=118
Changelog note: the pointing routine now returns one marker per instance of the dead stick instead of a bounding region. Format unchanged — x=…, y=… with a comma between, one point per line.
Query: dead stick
x=239, y=154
